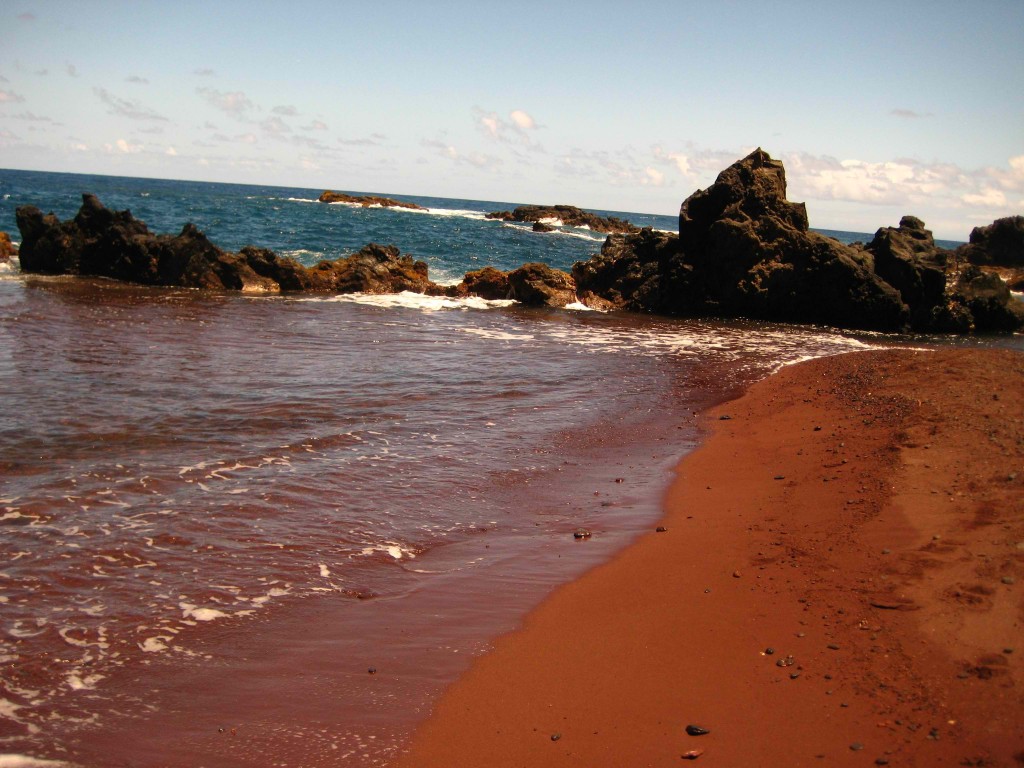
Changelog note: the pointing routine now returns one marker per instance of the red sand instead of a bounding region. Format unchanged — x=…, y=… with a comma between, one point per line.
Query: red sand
x=862, y=516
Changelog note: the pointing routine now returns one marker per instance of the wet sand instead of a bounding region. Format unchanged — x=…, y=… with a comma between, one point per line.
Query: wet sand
x=840, y=582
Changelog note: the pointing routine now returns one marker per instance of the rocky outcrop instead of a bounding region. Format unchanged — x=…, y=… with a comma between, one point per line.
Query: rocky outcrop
x=113, y=244
x=539, y=285
x=487, y=283
x=568, y=215
x=744, y=250
x=1000, y=244
x=366, y=200
x=7, y=248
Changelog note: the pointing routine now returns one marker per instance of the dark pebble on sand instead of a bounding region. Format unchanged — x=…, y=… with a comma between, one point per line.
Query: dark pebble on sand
x=833, y=647
x=794, y=675
x=556, y=736
x=1008, y=580
x=856, y=746
x=581, y=533
x=769, y=651
x=696, y=730
x=661, y=529
x=725, y=417
x=881, y=761
x=372, y=670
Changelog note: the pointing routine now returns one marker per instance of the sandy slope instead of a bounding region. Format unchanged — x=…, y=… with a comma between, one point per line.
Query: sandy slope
x=841, y=582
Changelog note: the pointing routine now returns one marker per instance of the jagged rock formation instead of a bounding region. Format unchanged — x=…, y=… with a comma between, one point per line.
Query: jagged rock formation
x=999, y=247
x=744, y=250
x=366, y=200
x=114, y=244
x=569, y=215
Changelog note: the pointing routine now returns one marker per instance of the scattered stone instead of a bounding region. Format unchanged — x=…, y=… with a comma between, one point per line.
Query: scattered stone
x=556, y=736
x=1008, y=580
x=769, y=651
x=693, y=754
x=582, y=533
x=886, y=551
x=696, y=730
x=856, y=746
x=372, y=670
x=661, y=529
x=832, y=647
x=817, y=429
x=725, y=417
x=881, y=761
x=794, y=675
x=933, y=734
x=736, y=574
x=780, y=477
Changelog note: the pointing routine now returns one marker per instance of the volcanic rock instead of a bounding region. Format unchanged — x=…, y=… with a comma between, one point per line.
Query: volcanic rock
x=366, y=200
x=1000, y=244
x=114, y=244
x=541, y=286
x=487, y=283
x=7, y=248
x=744, y=250
x=568, y=215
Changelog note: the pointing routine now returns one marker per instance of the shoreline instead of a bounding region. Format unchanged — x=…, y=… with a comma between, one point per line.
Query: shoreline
x=839, y=583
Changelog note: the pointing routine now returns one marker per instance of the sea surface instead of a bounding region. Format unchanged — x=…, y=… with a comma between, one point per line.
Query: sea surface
x=240, y=531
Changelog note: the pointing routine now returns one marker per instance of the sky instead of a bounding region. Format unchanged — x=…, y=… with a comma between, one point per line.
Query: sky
x=877, y=109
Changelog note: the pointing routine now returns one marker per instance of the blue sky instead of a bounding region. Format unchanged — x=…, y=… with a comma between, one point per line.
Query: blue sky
x=877, y=109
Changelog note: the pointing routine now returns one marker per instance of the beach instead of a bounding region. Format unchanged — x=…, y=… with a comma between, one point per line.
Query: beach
x=838, y=579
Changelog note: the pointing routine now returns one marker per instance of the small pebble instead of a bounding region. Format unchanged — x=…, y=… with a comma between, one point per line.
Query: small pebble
x=725, y=417
x=696, y=730
x=707, y=591
x=794, y=675
x=661, y=529
x=856, y=746
x=1007, y=650
x=769, y=651
x=886, y=551
x=693, y=754
x=780, y=477
x=881, y=761
x=833, y=647
x=556, y=736
x=1008, y=580
x=372, y=670
x=736, y=574
x=581, y=533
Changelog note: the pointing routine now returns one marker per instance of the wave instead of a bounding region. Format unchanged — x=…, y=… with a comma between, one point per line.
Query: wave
x=410, y=300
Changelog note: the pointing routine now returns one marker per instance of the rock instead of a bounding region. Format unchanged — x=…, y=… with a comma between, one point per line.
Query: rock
x=104, y=243
x=541, y=286
x=744, y=250
x=999, y=244
x=582, y=533
x=7, y=248
x=908, y=259
x=367, y=200
x=487, y=283
x=692, y=754
x=696, y=730
x=987, y=301
x=542, y=227
x=568, y=215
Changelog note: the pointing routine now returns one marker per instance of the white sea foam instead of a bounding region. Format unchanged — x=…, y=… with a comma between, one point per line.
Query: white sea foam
x=391, y=548
x=78, y=683
x=155, y=644
x=410, y=300
x=24, y=761
x=188, y=610
x=298, y=199
x=490, y=333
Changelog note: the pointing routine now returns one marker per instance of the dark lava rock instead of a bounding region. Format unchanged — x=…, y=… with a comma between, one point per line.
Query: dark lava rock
x=367, y=200
x=542, y=227
x=744, y=250
x=541, y=286
x=114, y=244
x=986, y=299
x=1000, y=244
x=569, y=215
x=696, y=730
x=487, y=283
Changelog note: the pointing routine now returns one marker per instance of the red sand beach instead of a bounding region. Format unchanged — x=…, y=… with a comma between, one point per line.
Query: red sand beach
x=840, y=582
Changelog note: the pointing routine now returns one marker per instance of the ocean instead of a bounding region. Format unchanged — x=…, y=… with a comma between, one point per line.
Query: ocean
x=268, y=531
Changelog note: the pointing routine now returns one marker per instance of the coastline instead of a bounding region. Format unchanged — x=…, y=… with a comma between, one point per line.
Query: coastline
x=859, y=516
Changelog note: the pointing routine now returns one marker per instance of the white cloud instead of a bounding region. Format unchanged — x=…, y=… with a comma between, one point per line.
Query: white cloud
x=10, y=97
x=171, y=151
x=204, y=72
x=522, y=120
x=275, y=126
x=234, y=103
x=129, y=108
x=136, y=79
x=246, y=138
x=285, y=109
x=654, y=176
x=124, y=147
x=316, y=125
x=986, y=198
